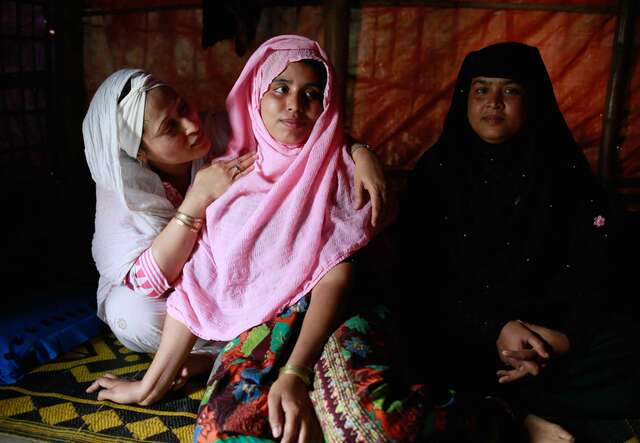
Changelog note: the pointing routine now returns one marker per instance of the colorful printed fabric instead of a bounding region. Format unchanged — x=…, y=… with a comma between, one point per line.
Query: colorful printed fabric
x=353, y=395
x=353, y=392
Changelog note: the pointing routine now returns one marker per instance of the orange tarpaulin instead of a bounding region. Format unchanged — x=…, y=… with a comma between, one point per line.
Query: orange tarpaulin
x=403, y=62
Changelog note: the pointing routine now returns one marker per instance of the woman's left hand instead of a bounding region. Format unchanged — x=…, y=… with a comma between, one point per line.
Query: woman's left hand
x=558, y=341
x=369, y=177
x=291, y=413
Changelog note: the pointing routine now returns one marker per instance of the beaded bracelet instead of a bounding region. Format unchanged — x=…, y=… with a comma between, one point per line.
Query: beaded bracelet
x=303, y=373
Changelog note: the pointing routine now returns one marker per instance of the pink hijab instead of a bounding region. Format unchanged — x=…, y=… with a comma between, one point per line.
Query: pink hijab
x=275, y=232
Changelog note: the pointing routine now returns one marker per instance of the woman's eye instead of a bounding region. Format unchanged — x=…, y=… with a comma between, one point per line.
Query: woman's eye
x=172, y=126
x=480, y=91
x=312, y=94
x=513, y=91
x=280, y=89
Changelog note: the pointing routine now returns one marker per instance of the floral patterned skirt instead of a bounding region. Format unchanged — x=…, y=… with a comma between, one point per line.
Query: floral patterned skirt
x=356, y=396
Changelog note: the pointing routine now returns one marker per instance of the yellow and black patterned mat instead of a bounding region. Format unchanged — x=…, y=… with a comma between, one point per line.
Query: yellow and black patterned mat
x=50, y=403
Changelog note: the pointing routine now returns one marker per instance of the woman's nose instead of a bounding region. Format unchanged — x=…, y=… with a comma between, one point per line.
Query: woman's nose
x=496, y=99
x=190, y=125
x=294, y=102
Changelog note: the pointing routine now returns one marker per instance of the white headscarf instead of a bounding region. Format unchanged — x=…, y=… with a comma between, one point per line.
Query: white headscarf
x=131, y=204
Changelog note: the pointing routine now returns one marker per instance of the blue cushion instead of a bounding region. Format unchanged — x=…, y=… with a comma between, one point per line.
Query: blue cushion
x=42, y=327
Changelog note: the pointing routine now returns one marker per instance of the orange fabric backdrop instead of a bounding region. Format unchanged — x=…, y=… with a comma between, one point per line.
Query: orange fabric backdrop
x=407, y=66
x=403, y=62
x=168, y=44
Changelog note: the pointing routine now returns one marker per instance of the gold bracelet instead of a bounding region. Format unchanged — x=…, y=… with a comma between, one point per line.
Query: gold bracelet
x=190, y=217
x=186, y=225
x=303, y=373
x=356, y=146
x=187, y=220
x=197, y=221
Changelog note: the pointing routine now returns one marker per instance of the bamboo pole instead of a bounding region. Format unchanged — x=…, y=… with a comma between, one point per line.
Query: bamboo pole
x=618, y=79
x=67, y=91
x=336, y=41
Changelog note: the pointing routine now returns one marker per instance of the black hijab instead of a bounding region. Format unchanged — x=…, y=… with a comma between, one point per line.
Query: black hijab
x=517, y=230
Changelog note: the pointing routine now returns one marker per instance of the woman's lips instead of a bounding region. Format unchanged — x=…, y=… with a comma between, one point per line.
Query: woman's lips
x=293, y=123
x=198, y=141
x=494, y=119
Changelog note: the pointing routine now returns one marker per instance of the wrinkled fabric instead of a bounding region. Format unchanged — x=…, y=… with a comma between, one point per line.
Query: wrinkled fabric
x=278, y=230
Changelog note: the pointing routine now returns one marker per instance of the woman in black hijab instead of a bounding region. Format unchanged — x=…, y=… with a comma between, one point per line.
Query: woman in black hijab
x=513, y=240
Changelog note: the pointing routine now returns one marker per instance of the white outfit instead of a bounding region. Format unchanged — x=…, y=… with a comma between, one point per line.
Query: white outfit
x=131, y=205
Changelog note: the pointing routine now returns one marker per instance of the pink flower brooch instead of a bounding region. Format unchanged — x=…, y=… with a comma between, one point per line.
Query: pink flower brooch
x=598, y=221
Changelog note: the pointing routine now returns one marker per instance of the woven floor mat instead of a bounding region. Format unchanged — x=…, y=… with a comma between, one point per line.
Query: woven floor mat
x=50, y=403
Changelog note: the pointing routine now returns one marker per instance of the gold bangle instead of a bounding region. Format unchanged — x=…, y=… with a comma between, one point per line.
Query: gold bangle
x=190, y=217
x=356, y=146
x=186, y=225
x=195, y=223
x=303, y=373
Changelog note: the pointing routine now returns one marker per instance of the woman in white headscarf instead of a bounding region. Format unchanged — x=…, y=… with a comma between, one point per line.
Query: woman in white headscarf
x=150, y=155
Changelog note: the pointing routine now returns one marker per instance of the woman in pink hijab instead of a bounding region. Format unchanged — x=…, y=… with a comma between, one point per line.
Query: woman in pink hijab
x=280, y=232
x=155, y=163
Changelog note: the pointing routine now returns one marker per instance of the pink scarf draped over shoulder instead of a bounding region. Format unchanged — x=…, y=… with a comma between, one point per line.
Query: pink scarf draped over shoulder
x=277, y=231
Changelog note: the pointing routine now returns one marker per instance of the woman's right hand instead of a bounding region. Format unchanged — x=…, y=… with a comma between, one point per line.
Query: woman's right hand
x=212, y=180
x=291, y=414
x=556, y=340
x=118, y=390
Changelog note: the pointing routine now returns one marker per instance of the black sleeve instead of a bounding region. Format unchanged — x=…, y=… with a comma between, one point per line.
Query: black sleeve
x=585, y=288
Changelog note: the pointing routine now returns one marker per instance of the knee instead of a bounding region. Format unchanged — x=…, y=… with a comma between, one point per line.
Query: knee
x=136, y=320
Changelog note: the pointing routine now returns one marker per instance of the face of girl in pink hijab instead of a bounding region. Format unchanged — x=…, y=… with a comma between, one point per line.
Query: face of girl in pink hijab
x=293, y=103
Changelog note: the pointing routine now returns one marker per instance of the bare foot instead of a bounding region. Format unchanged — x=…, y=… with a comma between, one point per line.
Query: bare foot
x=195, y=364
x=543, y=431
